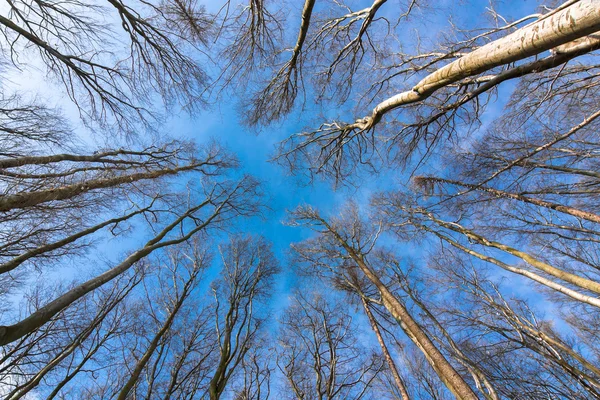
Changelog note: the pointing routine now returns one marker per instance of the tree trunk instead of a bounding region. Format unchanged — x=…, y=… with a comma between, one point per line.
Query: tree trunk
x=473, y=368
x=44, y=314
x=384, y=349
x=15, y=262
x=533, y=276
x=547, y=268
x=29, y=199
x=141, y=364
x=538, y=202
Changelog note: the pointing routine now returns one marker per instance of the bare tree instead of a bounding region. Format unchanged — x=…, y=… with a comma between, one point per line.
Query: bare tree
x=249, y=267
x=62, y=189
x=257, y=369
x=54, y=355
x=182, y=288
x=489, y=126
x=349, y=238
x=319, y=354
x=223, y=202
x=393, y=205
x=400, y=385
x=157, y=353
x=349, y=280
x=277, y=98
x=112, y=83
x=335, y=149
x=514, y=331
x=252, y=31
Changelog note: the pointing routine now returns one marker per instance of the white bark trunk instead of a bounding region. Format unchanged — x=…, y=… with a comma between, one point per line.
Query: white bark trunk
x=571, y=23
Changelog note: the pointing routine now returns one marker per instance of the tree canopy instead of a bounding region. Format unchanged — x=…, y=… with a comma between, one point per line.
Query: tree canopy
x=326, y=199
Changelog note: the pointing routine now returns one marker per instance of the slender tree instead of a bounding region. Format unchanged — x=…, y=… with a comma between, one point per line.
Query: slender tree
x=319, y=354
x=249, y=267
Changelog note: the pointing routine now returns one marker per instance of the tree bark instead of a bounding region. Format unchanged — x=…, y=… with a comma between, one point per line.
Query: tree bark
x=29, y=199
x=42, y=160
x=476, y=372
x=306, y=15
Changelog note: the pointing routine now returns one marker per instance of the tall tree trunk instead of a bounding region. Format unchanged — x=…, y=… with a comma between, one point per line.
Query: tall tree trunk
x=306, y=15
x=44, y=314
x=42, y=160
x=29, y=199
x=217, y=383
x=533, y=276
x=547, y=268
x=72, y=347
x=473, y=368
x=561, y=168
x=141, y=364
x=384, y=349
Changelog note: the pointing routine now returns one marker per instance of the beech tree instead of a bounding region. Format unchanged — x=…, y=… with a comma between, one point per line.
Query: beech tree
x=336, y=148
x=156, y=53
x=522, y=189
x=314, y=262
x=249, y=267
x=319, y=354
x=77, y=339
x=517, y=337
x=58, y=197
x=223, y=201
x=182, y=289
x=62, y=198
